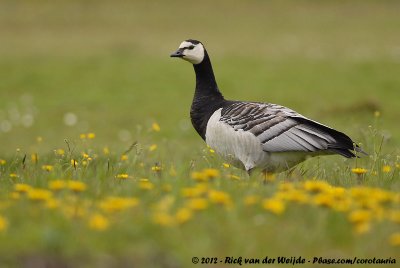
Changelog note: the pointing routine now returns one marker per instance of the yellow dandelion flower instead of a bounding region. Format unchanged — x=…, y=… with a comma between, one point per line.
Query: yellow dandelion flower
x=193, y=191
x=3, y=224
x=2, y=162
x=76, y=186
x=199, y=176
x=156, y=168
x=116, y=204
x=212, y=151
x=211, y=173
x=60, y=152
x=394, y=239
x=183, y=215
x=47, y=168
x=34, y=158
x=226, y=165
x=219, y=197
x=360, y=216
x=52, y=203
x=57, y=185
x=316, y=186
x=324, y=200
x=274, y=205
x=36, y=194
x=124, y=157
x=74, y=163
x=153, y=147
x=251, y=200
x=386, y=169
x=359, y=171
x=98, y=222
x=197, y=203
x=145, y=184
x=362, y=227
x=122, y=176
x=155, y=127
x=14, y=175
x=85, y=155
x=233, y=177
x=22, y=187
x=163, y=219
x=295, y=195
x=91, y=135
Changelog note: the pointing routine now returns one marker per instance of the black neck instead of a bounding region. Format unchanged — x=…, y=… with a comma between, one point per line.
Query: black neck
x=207, y=97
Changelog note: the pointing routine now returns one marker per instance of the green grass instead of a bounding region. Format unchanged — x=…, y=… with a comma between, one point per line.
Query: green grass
x=108, y=63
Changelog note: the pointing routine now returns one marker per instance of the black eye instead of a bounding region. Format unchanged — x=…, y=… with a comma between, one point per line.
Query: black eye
x=191, y=47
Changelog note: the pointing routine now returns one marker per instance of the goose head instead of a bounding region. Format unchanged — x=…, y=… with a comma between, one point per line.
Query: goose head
x=190, y=50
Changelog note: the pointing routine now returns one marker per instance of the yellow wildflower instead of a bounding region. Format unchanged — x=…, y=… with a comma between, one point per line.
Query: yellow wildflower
x=386, y=169
x=197, y=203
x=155, y=127
x=199, y=176
x=47, y=168
x=3, y=224
x=316, y=186
x=219, y=197
x=52, y=203
x=233, y=177
x=34, y=158
x=360, y=216
x=14, y=175
x=122, y=176
x=163, y=218
x=394, y=239
x=2, y=162
x=183, y=215
x=106, y=151
x=362, y=227
x=156, y=168
x=294, y=195
x=22, y=187
x=359, y=171
x=57, y=185
x=60, y=152
x=98, y=222
x=145, y=184
x=226, y=165
x=76, y=186
x=274, y=205
x=197, y=191
x=212, y=151
x=82, y=136
x=324, y=199
x=115, y=204
x=74, y=163
x=36, y=194
x=394, y=216
x=377, y=113
x=91, y=135
x=211, y=173
x=153, y=147
x=124, y=157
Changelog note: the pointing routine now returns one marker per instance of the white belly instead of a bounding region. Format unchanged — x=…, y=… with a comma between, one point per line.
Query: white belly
x=244, y=150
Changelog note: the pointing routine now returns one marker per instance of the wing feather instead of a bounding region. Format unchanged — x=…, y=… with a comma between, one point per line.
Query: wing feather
x=280, y=129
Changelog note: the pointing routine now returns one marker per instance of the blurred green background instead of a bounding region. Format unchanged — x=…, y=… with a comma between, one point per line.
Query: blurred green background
x=71, y=67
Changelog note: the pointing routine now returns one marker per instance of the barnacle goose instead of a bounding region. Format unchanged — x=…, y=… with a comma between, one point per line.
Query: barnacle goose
x=252, y=135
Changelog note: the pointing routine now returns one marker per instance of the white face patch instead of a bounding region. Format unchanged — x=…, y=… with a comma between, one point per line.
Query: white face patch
x=193, y=53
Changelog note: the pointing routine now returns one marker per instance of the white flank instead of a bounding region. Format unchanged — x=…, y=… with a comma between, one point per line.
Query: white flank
x=243, y=149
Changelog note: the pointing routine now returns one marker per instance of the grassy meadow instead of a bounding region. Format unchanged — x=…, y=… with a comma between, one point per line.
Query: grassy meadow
x=100, y=166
